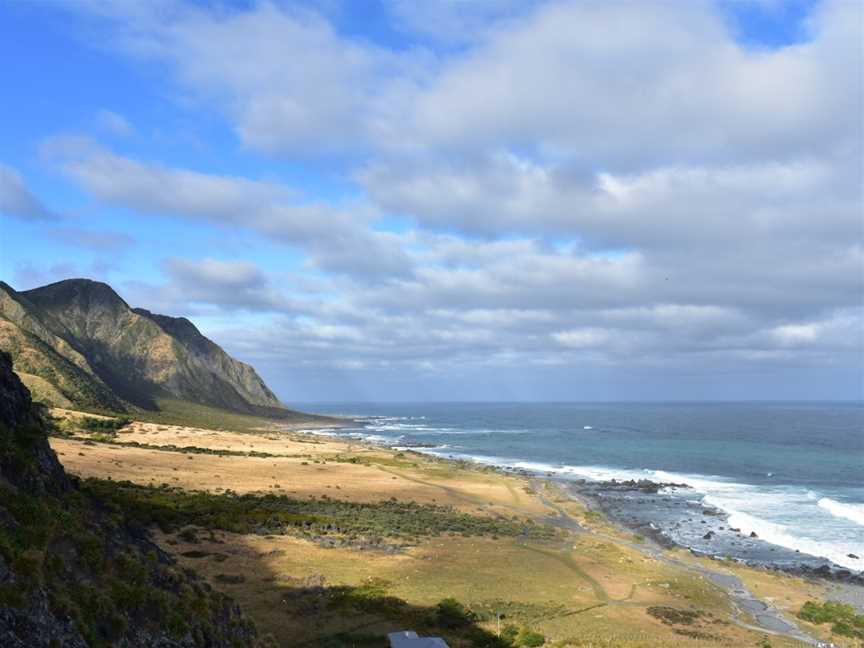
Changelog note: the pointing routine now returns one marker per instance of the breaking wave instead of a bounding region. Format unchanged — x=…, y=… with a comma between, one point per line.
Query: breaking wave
x=854, y=512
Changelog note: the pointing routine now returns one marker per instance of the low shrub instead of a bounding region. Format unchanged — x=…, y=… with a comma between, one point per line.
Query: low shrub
x=841, y=616
x=530, y=639
x=92, y=424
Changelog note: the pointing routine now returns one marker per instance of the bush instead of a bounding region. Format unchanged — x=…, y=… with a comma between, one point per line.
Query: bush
x=92, y=424
x=841, y=616
x=509, y=633
x=530, y=639
x=450, y=613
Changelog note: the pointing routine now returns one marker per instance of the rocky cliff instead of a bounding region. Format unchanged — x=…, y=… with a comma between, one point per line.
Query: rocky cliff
x=75, y=572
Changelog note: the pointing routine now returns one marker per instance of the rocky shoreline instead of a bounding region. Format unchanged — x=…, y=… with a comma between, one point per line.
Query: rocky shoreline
x=630, y=504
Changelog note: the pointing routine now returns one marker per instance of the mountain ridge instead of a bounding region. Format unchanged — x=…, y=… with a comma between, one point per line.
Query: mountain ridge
x=82, y=338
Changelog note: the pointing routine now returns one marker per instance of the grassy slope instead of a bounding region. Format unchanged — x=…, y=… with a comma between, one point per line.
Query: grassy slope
x=176, y=412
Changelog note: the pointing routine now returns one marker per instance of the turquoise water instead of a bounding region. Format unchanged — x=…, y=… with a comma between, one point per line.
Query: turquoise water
x=793, y=473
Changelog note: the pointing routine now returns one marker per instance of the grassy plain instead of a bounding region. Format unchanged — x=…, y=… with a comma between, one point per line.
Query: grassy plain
x=333, y=588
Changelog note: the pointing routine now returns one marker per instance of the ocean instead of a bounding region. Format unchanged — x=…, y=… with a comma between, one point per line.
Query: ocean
x=792, y=473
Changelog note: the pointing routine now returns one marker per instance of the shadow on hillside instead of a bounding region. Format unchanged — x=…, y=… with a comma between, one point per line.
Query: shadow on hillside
x=119, y=379
x=339, y=616
x=310, y=612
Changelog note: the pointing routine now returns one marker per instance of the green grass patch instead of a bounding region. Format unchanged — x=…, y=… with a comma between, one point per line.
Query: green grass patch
x=179, y=412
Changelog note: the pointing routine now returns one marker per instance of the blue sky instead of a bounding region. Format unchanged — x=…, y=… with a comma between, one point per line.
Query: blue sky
x=456, y=200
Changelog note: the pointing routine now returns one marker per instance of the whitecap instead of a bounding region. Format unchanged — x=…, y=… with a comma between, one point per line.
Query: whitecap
x=782, y=536
x=853, y=512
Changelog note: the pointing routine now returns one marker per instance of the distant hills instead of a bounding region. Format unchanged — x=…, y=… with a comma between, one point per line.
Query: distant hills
x=77, y=343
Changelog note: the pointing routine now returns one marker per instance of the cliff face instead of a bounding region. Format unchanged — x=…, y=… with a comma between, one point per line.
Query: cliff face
x=27, y=463
x=76, y=573
x=81, y=340
x=44, y=355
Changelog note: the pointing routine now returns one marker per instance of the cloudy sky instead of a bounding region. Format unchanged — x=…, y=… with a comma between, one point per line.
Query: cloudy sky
x=456, y=199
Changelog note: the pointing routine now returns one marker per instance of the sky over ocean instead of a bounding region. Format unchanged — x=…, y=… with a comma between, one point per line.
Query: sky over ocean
x=490, y=200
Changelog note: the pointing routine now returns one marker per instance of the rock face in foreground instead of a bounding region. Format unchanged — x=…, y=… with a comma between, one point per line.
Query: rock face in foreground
x=76, y=342
x=75, y=573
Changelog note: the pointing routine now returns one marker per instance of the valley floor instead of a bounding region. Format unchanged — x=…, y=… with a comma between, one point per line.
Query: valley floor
x=317, y=541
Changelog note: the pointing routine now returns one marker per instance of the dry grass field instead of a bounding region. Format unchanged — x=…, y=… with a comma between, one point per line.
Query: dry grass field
x=590, y=588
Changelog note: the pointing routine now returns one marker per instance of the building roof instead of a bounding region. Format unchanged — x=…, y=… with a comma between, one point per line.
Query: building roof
x=409, y=639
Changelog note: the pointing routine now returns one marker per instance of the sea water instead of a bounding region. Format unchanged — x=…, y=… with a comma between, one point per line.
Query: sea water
x=793, y=473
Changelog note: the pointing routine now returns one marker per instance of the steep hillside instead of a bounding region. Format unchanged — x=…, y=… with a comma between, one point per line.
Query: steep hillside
x=43, y=356
x=83, y=339
x=74, y=571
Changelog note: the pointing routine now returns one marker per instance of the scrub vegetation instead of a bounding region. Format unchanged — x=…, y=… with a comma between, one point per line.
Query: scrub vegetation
x=269, y=514
x=842, y=617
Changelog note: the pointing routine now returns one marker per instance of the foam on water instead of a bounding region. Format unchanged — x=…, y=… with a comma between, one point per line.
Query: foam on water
x=854, y=512
x=836, y=551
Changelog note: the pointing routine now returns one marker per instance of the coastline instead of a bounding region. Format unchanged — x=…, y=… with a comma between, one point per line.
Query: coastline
x=596, y=497
x=617, y=500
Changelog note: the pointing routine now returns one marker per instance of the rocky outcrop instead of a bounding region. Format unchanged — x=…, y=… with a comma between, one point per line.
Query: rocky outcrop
x=74, y=572
x=81, y=338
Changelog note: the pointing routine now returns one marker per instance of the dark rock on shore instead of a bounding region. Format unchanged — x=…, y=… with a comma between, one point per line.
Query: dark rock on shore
x=643, y=485
x=826, y=572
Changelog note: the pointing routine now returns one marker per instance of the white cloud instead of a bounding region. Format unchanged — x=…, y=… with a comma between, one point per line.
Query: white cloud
x=206, y=286
x=282, y=75
x=625, y=84
x=113, y=123
x=17, y=200
x=455, y=21
x=337, y=238
x=796, y=333
x=154, y=188
x=616, y=85
x=583, y=338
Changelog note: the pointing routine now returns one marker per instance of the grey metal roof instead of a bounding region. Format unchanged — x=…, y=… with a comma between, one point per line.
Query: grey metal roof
x=409, y=639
